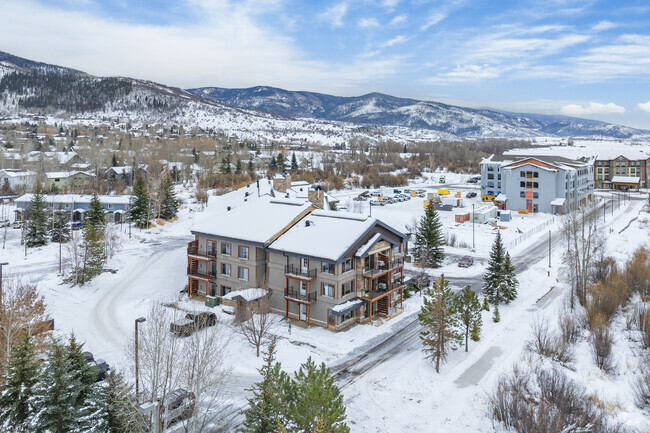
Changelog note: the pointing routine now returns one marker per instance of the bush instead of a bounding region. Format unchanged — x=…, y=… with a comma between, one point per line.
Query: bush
x=601, y=348
x=642, y=389
x=569, y=328
x=637, y=273
x=639, y=318
x=547, y=344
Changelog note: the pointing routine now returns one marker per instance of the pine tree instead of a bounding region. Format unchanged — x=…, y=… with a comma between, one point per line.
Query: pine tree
x=294, y=162
x=496, y=317
x=6, y=188
x=92, y=254
x=59, y=228
x=251, y=168
x=510, y=283
x=168, y=202
x=16, y=405
x=429, y=242
x=238, y=167
x=268, y=405
x=281, y=162
x=469, y=309
x=139, y=211
x=36, y=233
x=493, y=276
x=273, y=165
x=440, y=322
x=96, y=215
x=225, y=164
x=121, y=406
x=114, y=162
x=315, y=402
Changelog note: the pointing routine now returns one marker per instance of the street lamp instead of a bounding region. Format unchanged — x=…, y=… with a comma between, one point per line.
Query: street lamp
x=1, y=265
x=473, y=219
x=137, y=382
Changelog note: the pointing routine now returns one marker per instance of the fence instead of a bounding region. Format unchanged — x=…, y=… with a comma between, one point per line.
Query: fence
x=518, y=240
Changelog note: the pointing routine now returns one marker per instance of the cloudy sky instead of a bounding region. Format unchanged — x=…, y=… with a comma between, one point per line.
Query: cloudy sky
x=577, y=57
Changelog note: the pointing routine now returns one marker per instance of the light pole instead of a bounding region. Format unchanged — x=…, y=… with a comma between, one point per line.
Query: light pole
x=129, y=215
x=549, y=248
x=137, y=377
x=473, y=237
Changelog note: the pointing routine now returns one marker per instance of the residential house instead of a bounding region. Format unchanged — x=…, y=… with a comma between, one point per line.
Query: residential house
x=115, y=206
x=65, y=180
x=18, y=180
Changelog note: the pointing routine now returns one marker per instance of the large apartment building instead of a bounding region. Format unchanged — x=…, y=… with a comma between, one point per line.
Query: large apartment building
x=537, y=183
x=321, y=267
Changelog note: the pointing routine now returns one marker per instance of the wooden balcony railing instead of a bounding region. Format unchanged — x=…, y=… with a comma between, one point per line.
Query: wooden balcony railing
x=293, y=293
x=296, y=270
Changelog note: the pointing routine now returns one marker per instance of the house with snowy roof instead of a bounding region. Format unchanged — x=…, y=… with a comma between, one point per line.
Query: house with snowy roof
x=17, y=179
x=115, y=206
x=538, y=183
x=64, y=180
x=322, y=267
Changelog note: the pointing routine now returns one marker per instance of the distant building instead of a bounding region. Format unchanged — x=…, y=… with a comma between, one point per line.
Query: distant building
x=65, y=180
x=540, y=183
x=115, y=206
x=17, y=179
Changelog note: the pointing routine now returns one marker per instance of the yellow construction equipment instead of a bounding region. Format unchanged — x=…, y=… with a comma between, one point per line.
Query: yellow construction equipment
x=443, y=191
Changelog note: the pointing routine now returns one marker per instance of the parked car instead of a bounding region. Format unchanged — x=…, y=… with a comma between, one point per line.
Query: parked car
x=465, y=262
x=17, y=225
x=183, y=328
x=5, y=223
x=100, y=366
x=388, y=200
x=77, y=225
x=470, y=194
x=397, y=191
x=178, y=406
x=202, y=319
x=375, y=194
x=376, y=203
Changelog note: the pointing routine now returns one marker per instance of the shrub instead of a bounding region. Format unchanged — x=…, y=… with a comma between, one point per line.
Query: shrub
x=547, y=344
x=601, y=348
x=569, y=328
x=642, y=388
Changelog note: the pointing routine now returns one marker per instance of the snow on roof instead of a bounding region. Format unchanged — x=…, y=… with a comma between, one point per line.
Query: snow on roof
x=485, y=209
x=501, y=197
x=580, y=152
x=246, y=294
x=256, y=221
x=65, y=174
x=324, y=234
x=76, y=198
x=558, y=201
x=625, y=179
x=339, y=310
x=366, y=247
x=10, y=172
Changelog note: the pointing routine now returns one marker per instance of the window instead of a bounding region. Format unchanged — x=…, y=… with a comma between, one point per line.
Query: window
x=535, y=185
x=225, y=269
x=329, y=268
x=328, y=290
x=600, y=177
x=618, y=163
x=600, y=162
x=535, y=194
x=522, y=194
x=618, y=171
x=347, y=316
x=110, y=205
x=498, y=176
x=522, y=174
x=623, y=164
x=529, y=184
x=225, y=290
x=242, y=273
x=600, y=170
x=243, y=253
x=347, y=288
x=536, y=174
x=225, y=249
x=347, y=265
x=490, y=184
x=490, y=176
x=522, y=184
x=212, y=248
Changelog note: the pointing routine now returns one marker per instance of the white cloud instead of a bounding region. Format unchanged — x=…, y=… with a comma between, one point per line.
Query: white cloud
x=396, y=40
x=399, y=19
x=365, y=23
x=390, y=4
x=645, y=106
x=592, y=108
x=334, y=15
x=434, y=19
x=603, y=25
x=466, y=73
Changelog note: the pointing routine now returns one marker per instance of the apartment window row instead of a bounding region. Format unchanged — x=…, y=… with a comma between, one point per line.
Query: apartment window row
x=528, y=174
x=522, y=194
x=524, y=184
x=242, y=272
x=226, y=250
x=329, y=290
x=330, y=268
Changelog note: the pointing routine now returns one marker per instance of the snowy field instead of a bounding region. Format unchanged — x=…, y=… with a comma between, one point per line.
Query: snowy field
x=391, y=387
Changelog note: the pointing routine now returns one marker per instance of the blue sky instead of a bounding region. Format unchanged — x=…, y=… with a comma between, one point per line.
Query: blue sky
x=583, y=58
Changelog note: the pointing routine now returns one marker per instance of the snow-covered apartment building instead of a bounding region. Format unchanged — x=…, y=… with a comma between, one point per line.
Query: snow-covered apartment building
x=115, y=206
x=322, y=267
x=539, y=183
x=17, y=179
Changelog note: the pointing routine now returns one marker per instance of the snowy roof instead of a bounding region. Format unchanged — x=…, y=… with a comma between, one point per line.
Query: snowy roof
x=62, y=157
x=558, y=201
x=326, y=234
x=501, y=197
x=76, y=198
x=65, y=174
x=580, y=152
x=246, y=294
x=256, y=221
x=9, y=172
x=626, y=179
x=366, y=247
x=352, y=304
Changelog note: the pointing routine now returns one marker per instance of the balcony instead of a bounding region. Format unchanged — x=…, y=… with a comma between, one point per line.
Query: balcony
x=193, y=247
x=380, y=289
x=292, y=270
x=292, y=293
x=383, y=266
x=203, y=273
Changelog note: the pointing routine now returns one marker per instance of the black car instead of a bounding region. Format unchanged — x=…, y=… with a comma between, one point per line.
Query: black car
x=100, y=366
x=178, y=406
x=203, y=319
x=470, y=194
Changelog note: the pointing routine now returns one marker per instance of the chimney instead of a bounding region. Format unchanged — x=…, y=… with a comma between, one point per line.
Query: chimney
x=281, y=182
x=316, y=196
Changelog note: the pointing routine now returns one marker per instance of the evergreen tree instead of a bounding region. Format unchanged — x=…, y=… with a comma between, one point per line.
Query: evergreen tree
x=429, y=242
x=493, y=276
x=273, y=165
x=114, y=162
x=315, y=402
x=250, y=168
x=6, y=187
x=59, y=228
x=510, y=283
x=294, y=162
x=36, y=234
x=496, y=318
x=121, y=406
x=238, y=167
x=225, y=164
x=93, y=256
x=168, y=202
x=440, y=321
x=139, y=211
x=16, y=405
x=268, y=405
x=96, y=215
x=282, y=164
x=469, y=309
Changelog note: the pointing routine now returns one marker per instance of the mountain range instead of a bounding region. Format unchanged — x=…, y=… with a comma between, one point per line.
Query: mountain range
x=267, y=113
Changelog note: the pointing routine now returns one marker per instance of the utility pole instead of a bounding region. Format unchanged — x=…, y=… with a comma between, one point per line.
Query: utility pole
x=473, y=236
x=1, y=265
x=549, y=248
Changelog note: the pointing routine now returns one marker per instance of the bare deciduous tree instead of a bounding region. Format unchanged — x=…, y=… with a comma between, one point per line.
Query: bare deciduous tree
x=257, y=327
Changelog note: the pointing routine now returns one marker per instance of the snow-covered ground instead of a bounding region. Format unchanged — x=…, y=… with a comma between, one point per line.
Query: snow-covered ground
x=396, y=390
